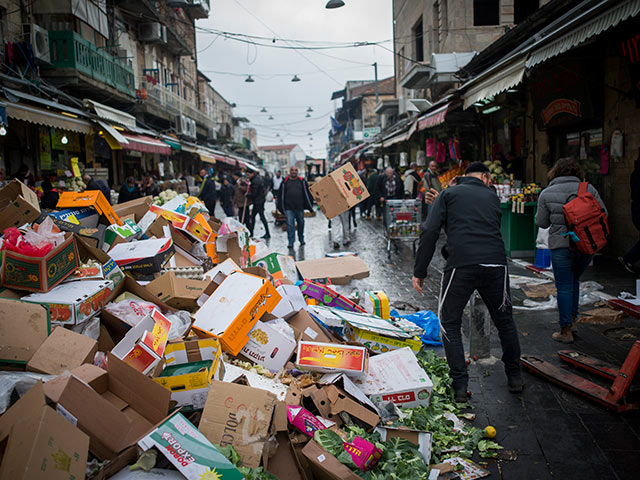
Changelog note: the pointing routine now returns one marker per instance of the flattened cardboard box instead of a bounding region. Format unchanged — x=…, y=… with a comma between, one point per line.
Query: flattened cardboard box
x=339, y=270
x=74, y=302
x=234, y=308
x=114, y=407
x=308, y=329
x=18, y=205
x=144, y=257
x=62, y=350
x=332, y=357
x=23, y=328
x=240, y=416
x=39, y=274
x=339, y=191
x=40, y=443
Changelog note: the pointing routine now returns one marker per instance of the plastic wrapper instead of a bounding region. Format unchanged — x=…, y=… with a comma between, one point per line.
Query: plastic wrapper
x=90, y=328
x=426, y=320
x=231, y=225
x=21, y=382
x=130, y=310
x=542, y=239
x=180, y=324
x=45, y=235
x=283, y=327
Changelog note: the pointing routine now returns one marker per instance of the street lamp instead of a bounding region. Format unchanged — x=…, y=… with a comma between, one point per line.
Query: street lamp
x=295, y=78
x=249, y=79
x=264, y=110
x=334, y=4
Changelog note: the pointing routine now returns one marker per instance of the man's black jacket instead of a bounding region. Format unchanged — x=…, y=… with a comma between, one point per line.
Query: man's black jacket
x=470, y=214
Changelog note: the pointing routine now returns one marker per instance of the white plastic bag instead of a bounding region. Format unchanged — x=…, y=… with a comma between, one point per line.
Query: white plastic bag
x=19, y=381
x=542, y=240
x=130, y=311
x=180, y=324
x=269, y=197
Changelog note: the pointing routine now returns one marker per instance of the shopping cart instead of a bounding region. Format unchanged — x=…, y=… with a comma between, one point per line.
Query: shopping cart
x=402, y=219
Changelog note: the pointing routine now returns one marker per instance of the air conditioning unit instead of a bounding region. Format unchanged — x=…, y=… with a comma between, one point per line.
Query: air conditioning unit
x=187, y=127
x=152, y=32
x=39, y=38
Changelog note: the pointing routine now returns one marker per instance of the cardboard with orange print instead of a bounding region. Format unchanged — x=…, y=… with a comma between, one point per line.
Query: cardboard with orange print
x=332, y=357
x=233, y=309
x=197, y=227
x=268, y=346
x=74, y=302
x=339, y=191
x=143, y=346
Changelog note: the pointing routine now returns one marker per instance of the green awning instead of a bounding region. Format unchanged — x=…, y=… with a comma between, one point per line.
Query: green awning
x=173, y=144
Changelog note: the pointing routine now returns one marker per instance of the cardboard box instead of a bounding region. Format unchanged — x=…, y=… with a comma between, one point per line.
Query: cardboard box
x=279, y=266
x=292, y=301
x=368, y=415
x=376, y=302
x=189, y=451
x=339, y=270
x=326, y=466
x=235, y=374
x=268, y=347
x=143, y=346
x=305, y=421
x=306, y=328
x=180, y=293
x=377, y=334
x=117, y=234
x=81, y=216
x=191, y=367
x=18, y=205
x=23, y=328
x=39, y=444
x=341, y=402
x=144, y=257
x=115, y=407
x=94, y=236
x=339, y=191
x=62, y=350
x=240, y=416
x=423, y=440
x=284, y=462
x=110, y=270
x=328, y=296
x=233, y=309
x=73, y=302
x=89, y=198
x=138, y=208
x=332, y=357
x=397, y=376
x=39, y=274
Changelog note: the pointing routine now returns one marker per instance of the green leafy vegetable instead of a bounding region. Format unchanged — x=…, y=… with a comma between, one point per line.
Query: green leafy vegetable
x=249, y=473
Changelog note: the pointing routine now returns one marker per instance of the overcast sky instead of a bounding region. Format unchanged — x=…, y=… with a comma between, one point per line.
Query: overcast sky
x=273, y=68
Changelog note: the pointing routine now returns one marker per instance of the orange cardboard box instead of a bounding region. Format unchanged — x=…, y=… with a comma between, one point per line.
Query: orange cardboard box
x=332, y=357
x=233, y=309
x=89, y=198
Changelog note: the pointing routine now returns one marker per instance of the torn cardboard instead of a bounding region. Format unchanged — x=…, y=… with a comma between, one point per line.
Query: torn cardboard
x=62, y=350
x=18, y=205
x=339, y=270
x=326, y=466
x=601, y=316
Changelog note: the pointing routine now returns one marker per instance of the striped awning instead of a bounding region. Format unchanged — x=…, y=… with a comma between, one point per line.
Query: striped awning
x=578, y=30
x=143, y=143
x=49, y=118
x=494, y=82
x=351, y=152
x=205, y=156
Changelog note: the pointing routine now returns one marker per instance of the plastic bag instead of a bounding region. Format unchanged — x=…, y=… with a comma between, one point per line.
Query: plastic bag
x=129, y=310
x=90, y=328
x=18, y=381
x=281, y=325
x=428, y=321
x=180, y=324
x=231, y=225
x=269, y=197
x=15, y=242
x=542, y=240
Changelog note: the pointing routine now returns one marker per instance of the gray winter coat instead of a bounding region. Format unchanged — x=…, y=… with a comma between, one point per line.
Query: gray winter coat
x=550, y=203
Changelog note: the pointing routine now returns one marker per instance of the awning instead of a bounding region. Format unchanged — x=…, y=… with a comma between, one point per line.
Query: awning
x=143, y=143
x=111, y=114
x=434, y=118
x=400, y=137
x=582, y=32
x=40, y=116
x=352, y=151
x=112, y=136
x=493, y=82
x=174, y=143
x=206, y=157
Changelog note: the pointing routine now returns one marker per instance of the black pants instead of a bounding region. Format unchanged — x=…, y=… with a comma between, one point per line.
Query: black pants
x=258, y=209
x=633, y=255
x=492, y=283
x=228, y=209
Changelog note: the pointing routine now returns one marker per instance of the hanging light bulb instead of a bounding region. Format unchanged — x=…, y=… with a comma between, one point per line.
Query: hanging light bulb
x=334, y=4
x=309, y=134
x=64, y=140
x=311, y=138
x=307, y=116
x=270, y=117
x=264, y=110
x=309, y=109
x=3, y=130
x=249, y=79
x=295, y=78
x=277, y=134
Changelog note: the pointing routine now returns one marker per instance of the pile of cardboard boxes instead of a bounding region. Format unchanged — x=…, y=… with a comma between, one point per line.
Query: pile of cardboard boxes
x=163, y=328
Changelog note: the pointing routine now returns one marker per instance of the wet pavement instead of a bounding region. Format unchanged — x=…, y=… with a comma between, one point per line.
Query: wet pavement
x=551, y=432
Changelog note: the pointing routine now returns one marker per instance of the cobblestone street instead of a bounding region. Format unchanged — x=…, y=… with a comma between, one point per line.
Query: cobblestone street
x=546, y=432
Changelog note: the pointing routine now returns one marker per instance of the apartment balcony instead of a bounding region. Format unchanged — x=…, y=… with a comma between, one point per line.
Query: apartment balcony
x=88, y=68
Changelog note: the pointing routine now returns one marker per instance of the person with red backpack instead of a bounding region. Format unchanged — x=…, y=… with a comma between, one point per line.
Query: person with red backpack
x=577, y=222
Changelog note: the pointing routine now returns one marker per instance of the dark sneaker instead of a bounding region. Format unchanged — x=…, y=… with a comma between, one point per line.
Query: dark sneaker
x=266, y=236
x=289, y=246
x=461, y=395
x=516, y=385
x=302, y=244
x=626, y=265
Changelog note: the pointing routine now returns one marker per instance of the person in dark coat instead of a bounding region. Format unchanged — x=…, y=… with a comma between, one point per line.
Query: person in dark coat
x=96, y=184
x=257, y=195
x=390, y=187
x=372, y=187
x=50, y=197
x=226, y=197
x=208, y=193
x=240, y=198
x=129, y=191
x=151, y=188
x=294, y=199
x=630, y=258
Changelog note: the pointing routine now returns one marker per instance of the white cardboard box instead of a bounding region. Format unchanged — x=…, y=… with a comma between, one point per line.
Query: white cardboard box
x=292, y=302
x=397, y=376
x=268, y=346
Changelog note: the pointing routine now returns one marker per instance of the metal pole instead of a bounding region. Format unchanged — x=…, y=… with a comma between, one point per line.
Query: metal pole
x=375, y=69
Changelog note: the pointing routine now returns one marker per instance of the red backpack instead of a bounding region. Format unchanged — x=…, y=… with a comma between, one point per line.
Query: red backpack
x=588, y=220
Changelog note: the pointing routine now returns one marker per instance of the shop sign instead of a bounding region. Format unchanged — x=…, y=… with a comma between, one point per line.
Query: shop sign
x=370, y=133
x=560, y=94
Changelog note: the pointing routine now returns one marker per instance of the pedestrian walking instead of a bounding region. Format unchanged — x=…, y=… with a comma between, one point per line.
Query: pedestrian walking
x=568, y=263
x=150, y=187
x=257, y=196
x=97, y=184
x=50, y=196
x=226, y=197
x=630, y=258
x=372, y=187
x=390, y=187
x=277, y=184
x=208, y=192
x=240, y=199
x=412, y=181
x=294, y=199
x=344, y=234
x=129, y=191
x=475, y=260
